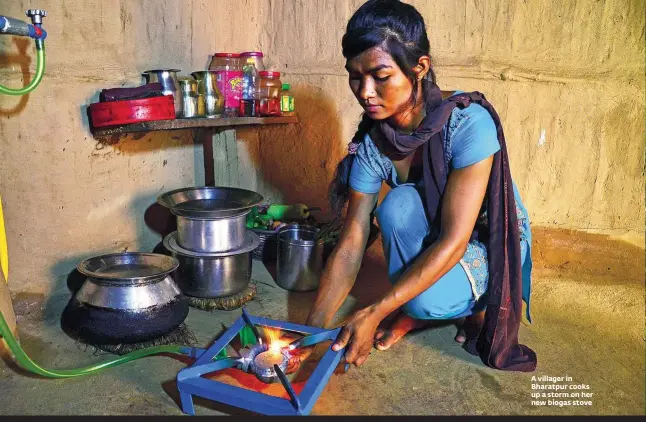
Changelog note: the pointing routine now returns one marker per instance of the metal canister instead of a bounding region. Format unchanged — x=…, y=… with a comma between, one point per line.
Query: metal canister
x=168, y=79
x=300, y=258
x=208, y=87
x=188, y=88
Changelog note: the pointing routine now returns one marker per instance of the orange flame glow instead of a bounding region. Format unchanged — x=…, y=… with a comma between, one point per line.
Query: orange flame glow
x=276, y=344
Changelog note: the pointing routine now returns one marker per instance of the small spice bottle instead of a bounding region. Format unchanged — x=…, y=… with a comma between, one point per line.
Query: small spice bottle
x=287, y=101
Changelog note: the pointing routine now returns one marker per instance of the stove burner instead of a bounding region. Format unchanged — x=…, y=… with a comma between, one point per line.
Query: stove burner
x=191, y=382
x=262, y=361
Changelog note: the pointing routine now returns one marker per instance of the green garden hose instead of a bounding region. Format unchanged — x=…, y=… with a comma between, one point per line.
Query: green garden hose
x=247, y=337
x=40, y=71
x=26, y=363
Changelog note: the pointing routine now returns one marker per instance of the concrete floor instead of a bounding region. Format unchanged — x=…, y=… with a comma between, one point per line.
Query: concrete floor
x=588, y=310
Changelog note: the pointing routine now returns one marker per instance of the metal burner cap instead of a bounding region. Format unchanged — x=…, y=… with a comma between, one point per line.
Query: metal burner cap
x=263, y=361
x=268, y=359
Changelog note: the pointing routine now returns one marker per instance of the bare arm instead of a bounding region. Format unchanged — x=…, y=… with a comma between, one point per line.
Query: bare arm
x=463, y=196
x=340, y=272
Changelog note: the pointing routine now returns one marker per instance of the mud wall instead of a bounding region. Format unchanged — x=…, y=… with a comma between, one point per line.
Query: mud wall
x=567, y=79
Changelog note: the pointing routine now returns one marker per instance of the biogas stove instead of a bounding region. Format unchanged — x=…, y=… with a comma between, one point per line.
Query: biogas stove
x=267, y=360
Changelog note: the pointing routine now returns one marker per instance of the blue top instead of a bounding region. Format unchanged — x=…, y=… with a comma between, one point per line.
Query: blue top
x=469, y=137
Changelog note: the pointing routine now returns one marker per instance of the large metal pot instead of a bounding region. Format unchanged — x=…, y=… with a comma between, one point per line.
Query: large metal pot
x=126, y=298
x=212, y=235
x=210, y=275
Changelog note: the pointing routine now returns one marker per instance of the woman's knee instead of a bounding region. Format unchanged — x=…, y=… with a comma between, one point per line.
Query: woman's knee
x=401, y=208
x=450, y=297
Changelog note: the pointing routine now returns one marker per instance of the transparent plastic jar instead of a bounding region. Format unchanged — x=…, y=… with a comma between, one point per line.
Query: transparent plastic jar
x=229, y=70
x=252, y=63
x=269, y=91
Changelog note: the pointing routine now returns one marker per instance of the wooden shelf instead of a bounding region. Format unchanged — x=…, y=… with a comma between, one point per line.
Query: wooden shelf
x=194, y=123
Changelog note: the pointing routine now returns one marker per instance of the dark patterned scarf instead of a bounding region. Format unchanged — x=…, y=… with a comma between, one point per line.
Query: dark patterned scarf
x=497, y=345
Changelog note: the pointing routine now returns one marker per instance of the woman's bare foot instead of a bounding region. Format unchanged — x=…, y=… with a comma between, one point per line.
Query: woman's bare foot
x=470, y=327
x=385, y=338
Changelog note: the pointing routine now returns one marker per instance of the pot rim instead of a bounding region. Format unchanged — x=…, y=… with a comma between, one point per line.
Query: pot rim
x=160, y=70
x=252, y=198
x=166, y=265
x=252, y=240
x=126, y=282
x=201, y=218
x=205, y=72
x=299, y=242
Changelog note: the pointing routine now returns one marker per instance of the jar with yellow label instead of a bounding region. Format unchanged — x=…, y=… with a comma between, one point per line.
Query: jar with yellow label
x=286, y=101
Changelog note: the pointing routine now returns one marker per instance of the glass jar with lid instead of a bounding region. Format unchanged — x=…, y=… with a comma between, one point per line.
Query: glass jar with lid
x=229, y=70
x=269, y=91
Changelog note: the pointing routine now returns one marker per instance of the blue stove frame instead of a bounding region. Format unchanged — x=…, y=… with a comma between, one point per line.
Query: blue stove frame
x=191, y=383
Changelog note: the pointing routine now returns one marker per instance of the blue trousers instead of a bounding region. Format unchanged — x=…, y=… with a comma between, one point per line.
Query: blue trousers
x=404, y=227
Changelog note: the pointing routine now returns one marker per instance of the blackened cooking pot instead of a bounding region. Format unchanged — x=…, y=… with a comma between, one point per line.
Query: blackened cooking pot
x=126, y=298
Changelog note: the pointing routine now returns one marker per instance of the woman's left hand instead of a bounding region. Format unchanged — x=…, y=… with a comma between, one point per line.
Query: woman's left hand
x=358, y=335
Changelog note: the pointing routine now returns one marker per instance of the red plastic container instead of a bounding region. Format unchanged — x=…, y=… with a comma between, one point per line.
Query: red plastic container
x=115, y=113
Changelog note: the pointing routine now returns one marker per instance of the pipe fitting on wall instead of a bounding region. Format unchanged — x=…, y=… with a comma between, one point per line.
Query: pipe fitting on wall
x=34, y=30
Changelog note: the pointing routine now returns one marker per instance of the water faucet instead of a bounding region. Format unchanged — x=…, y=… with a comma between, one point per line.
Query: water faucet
x=34, y=30
x=11, y=26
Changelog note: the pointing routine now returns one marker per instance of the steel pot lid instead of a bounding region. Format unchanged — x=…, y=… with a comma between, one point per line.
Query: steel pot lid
x=252, y=240
x=209, y=202
x=128, y=266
